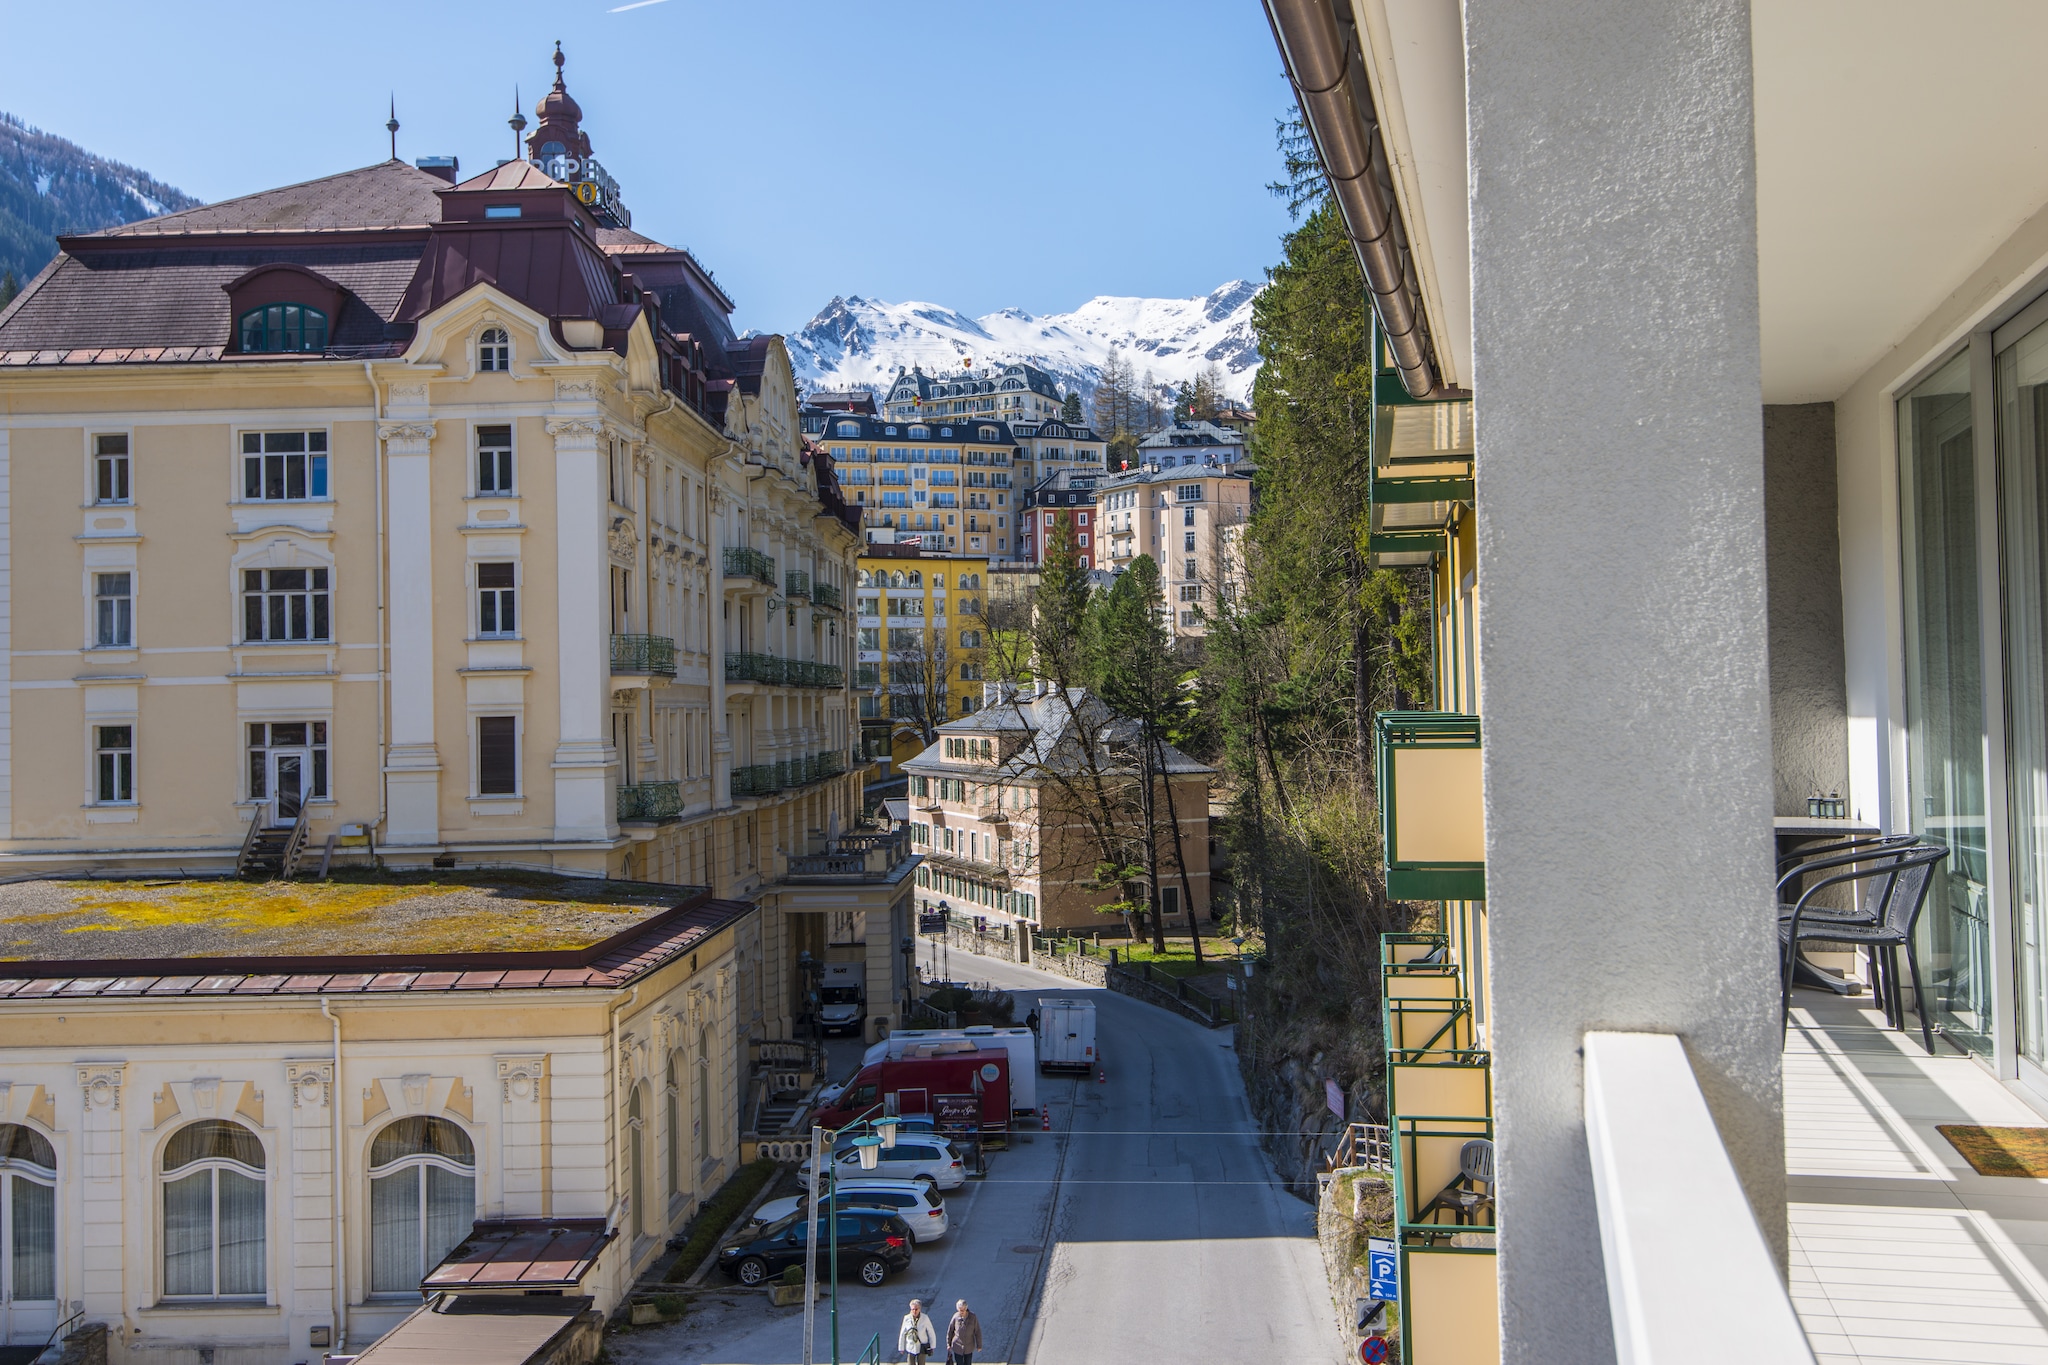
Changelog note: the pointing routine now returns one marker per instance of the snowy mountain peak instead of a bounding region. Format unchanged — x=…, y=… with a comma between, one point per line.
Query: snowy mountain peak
x=858, y=342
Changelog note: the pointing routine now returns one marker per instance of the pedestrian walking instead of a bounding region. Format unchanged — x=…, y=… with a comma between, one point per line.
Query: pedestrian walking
x=1031, y=1019
x=915, y=1338
x=963, y=1335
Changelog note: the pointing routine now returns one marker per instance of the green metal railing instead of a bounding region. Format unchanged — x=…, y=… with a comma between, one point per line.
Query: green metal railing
x=653, y=654
x=743, y=561
x=651, y=801
x=796, y=583
x=825, y=595
x=768, y=668
x=765, y=779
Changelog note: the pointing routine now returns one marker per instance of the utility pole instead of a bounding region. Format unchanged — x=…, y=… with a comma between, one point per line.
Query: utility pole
x=811, y=1242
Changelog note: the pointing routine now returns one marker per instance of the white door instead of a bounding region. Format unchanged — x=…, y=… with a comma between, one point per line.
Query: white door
x=290, y=772
x=28, y=1257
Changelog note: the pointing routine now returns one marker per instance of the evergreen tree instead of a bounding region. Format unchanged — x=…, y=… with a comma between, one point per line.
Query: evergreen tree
x=8, y=288
x=1184, y=402
x=1060, y=611
x=1070, y=408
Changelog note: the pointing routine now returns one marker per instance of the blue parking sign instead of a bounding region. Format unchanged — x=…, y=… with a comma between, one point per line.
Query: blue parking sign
x=1381, y=1264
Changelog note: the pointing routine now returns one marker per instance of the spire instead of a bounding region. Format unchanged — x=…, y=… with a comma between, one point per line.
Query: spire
x=517, y=123
x=392, y=126
x=559, y=59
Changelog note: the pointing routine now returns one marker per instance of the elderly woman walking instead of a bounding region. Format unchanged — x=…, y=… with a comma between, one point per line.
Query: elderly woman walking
x=915, y=1338
x=963, y=1335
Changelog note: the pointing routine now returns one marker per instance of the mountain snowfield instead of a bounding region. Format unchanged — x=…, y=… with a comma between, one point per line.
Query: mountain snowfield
x=856, y=342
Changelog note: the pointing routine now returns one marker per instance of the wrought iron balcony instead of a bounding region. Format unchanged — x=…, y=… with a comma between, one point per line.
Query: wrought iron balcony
x=768, y=668
x=796, y=583
x=765, y=779
x=743, y=561
x=651, y=654
x=826, y=596
x=650, y=801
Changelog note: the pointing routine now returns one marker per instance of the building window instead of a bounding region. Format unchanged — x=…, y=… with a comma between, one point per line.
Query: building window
x=497, y=607
x=113, y=764
x=1187, y=568
x=1191, y=592
x=110, y=469
x=494, y=350
x=1190, y=619
x=289, y=754
x=1187, y=492
x=497, y=755
x=494, y=462
x=284, y=604
x=1187, y=541
x=422, y=1200
x=28, y=1213
x=283, y=327
x=214, y=1224
x=113, y=610
x=1187, y=518
x=1082, y=540
x=284, y=466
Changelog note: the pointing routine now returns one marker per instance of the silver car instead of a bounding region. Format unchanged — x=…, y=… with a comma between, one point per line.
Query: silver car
x=916, y=1157
x=912, y=1200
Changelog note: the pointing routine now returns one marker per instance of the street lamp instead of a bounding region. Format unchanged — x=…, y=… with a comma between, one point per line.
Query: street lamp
x=876, y=1136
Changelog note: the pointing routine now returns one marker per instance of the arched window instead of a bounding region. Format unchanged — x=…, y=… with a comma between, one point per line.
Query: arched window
x=863, y=579
x=896, y=579
x=849, y=428
x=494, y=350
x=672, y=1104
x=920, y=433
x=422, y=1200
x=214, y=1239
x=916, y=579
x=28, y=1217
x=283, y=327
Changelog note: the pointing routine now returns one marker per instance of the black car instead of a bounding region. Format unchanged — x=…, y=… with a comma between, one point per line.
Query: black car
x=873, y=1243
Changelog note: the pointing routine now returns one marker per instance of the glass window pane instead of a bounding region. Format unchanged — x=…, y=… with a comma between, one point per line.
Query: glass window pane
x=213, y=1139
x=188, y=1234
x=451, y=1211
x=395, y=1233
x=34, y=1244
x=2023, y=454
x=242, y=1234
x=1945, y=692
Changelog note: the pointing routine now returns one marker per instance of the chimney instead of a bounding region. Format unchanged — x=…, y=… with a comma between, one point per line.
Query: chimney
x=441, y=167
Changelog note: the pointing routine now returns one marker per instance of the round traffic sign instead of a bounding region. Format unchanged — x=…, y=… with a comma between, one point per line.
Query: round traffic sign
x=1372, y=1350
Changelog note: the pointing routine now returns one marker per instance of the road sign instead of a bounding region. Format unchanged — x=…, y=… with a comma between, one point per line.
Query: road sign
x=1382, y=1268
x=1372, y=1350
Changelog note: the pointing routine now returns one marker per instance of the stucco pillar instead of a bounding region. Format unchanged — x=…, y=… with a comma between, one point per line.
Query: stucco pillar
x=584, y=808
x=719, y=532
x=412, y=764
x=1622, y=625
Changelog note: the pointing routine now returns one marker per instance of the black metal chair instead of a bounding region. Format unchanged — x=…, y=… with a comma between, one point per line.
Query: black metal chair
x=1871, y=851
x=1899, y=879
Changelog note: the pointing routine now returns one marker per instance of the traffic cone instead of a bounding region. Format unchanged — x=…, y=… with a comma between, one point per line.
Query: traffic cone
x=1101, y=1076
x=1045, y=1118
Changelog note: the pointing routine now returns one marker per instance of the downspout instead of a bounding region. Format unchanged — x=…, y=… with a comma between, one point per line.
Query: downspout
x=1321, y=55
x=335, y=1184
x=383, y=622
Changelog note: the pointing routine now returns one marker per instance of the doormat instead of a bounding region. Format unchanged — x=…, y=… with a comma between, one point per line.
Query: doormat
x=1999, y=1151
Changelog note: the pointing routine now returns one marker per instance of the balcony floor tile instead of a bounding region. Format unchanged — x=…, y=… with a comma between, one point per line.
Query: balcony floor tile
x=1901, y=1254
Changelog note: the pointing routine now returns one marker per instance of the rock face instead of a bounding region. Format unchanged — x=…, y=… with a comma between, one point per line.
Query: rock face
x=49, y=185
x=1289, y=1093
x=856, y=342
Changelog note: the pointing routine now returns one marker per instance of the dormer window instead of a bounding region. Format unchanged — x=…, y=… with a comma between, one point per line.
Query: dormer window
x=283, y=327
x=494, y=350
x=850, y=428
x=920, y=433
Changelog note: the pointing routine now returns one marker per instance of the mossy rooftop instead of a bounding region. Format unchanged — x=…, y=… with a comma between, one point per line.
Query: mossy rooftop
x=352, y=915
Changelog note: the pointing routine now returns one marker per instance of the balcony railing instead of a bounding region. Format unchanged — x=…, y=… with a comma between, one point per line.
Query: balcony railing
x=743, y=561
x=650, y=654
x=826, y=596
x=650, y=801
x=765, y=779
x=779, y=672
x=855, y=857
x=796, y=583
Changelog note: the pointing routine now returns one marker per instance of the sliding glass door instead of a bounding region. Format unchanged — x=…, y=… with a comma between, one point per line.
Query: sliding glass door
x=1945, y=734
x=2023, y=479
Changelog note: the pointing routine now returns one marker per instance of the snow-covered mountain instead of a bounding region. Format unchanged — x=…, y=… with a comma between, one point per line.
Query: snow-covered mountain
x=855, y=342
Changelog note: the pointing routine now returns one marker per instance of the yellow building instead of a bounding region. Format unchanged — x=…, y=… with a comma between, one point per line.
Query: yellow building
x=922, y=644
x=941, y=485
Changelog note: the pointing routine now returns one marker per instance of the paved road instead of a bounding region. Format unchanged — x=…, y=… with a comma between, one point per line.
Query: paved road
x=1148, y=1226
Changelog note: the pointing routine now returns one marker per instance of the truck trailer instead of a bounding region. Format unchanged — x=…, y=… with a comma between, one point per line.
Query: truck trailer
x=1066, y=1032
x=912, y=1084
x=1020, y=1042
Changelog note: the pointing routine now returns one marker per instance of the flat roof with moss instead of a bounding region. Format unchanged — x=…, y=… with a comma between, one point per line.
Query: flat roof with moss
x=355, y=914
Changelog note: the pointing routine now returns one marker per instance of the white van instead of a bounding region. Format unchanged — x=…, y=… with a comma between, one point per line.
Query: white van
x=843, y=998
x=1066, y=1033
x=1020, y=1042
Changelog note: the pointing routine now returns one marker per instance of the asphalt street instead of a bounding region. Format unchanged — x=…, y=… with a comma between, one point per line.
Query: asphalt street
x=1147, y=1226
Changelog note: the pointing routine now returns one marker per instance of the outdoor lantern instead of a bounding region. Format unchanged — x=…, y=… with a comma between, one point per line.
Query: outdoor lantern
x=887, y=1128
x=870, y=1149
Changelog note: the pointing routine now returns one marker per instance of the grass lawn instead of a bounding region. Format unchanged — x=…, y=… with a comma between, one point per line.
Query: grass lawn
x=1179, y=957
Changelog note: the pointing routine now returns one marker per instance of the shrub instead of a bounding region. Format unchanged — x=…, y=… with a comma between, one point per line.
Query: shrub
x=793, y=1275
x=710, y=1225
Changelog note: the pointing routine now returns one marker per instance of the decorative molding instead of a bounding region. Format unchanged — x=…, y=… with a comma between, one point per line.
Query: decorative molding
x=575, y=430
x=206, y=1093
x=410, y=434
x=102, y=1085
x=567, y=390
x=521, y=1079
x=624, y=543
x=414, y=1087
x=312, y=1084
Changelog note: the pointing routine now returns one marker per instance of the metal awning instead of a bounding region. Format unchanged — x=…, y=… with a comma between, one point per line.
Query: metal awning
x=518, y=1255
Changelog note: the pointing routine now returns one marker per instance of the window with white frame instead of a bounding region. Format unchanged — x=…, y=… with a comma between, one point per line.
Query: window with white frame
x=113, y=610
x=113, y=765
x=497, y=606
x=285, y=604
x=308, y=737
x=494, y=350
x=213, y=1205
x=1187, y=518
x=494, y=462
x=422, y=1200
x=28, y=1216
x=110, y=469
x=1187, y=492
x=497, y=755
x=284, y=466
x=1191, y=592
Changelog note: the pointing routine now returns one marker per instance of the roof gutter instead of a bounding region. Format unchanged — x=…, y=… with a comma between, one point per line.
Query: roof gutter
x=1320, y=51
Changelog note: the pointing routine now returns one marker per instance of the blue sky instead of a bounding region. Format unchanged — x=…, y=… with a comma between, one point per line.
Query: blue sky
x=1085, y=146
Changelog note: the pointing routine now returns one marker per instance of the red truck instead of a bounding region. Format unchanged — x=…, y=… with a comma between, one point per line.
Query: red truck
x=912, y=1083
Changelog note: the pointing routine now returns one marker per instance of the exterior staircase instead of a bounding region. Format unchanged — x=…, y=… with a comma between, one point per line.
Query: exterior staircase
x=272, y=852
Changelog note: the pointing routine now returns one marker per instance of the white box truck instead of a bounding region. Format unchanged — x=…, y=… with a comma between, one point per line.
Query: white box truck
x=1066, y=1034
x=1017, y=1040
x=843, y=998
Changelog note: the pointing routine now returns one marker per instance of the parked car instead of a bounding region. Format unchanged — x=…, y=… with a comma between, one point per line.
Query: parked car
x=915, y=1201
x=873, y=1244
x=918, y=1157
x=922, y=1125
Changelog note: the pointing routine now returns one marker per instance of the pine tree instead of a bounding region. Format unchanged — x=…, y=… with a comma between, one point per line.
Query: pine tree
x=1070, y=408
x=9, y=287
x=1060, y=611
